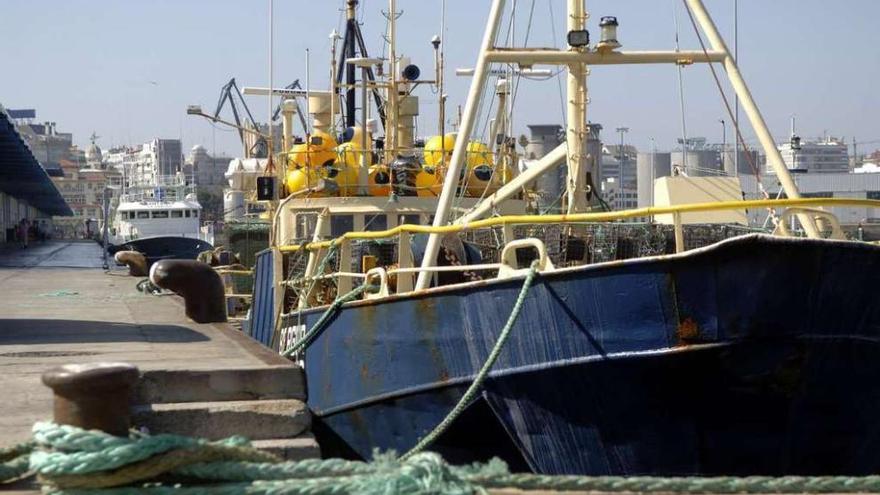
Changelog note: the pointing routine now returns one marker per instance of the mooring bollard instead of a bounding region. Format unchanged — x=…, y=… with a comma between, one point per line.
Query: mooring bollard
x=94, y=396
x=200, y=286
x=135, y=261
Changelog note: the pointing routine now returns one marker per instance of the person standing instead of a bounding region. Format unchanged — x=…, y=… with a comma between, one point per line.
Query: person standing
x=23, y=232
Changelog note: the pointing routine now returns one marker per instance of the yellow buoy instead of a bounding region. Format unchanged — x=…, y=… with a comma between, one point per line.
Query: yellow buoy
x=429, y=183
x=350, y=153
x=478, y=154
x=438, y=150
x=345, y=176
x=379, y=182
x=302, y=178
x=357, y=135
x=319, y=151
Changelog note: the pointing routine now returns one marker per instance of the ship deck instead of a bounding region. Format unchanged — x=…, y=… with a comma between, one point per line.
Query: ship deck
x=60, y=307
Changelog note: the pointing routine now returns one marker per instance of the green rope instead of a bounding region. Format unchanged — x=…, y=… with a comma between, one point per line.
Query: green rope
x=14, y=461
x=484, y=371
x=322, y=321
x=78, y=451
x=721, y=484
x=420, y=473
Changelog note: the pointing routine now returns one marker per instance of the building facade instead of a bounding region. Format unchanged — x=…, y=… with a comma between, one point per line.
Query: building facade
x=829, y=155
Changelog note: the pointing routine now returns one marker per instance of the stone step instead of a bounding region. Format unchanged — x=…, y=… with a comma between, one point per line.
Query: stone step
x=298, y=448
x=267, y=382
x=256, y=420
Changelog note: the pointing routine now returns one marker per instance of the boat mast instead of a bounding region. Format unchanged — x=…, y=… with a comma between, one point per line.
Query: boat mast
x=349, y=51
x=450, y=184
x=391, y=116
x=576, y=185
x=774, y=157
x=581, y=58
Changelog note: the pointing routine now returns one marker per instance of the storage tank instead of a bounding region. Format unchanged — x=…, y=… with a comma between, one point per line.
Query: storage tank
x=744, y=168
x=699, y=163
x=542, y=140
x=233, y=205
x=650, y=166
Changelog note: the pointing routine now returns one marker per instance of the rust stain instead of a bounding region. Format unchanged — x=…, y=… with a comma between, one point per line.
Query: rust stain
x=687, y=330
x=444, y=375
x=365, y=371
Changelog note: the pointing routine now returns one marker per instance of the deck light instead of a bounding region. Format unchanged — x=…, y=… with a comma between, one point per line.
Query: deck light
x=579, y=38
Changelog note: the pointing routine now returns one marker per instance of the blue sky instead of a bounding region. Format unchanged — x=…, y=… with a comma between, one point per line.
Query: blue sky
x=127, y=69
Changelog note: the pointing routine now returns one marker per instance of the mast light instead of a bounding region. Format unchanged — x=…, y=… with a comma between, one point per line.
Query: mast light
x=608, y=37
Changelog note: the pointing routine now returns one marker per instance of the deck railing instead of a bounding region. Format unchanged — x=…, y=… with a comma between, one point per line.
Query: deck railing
x=610, y=216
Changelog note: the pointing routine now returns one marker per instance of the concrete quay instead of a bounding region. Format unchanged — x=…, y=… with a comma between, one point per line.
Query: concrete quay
x=58, y=306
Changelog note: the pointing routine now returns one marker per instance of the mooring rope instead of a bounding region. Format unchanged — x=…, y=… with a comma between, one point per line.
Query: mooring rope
x=72, y=461
x=484, y=370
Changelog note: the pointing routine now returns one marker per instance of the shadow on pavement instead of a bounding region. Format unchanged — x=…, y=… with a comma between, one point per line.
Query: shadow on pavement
x=44, y=331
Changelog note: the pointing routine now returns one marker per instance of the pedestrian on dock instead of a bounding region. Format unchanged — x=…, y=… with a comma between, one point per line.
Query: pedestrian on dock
x=23, y=232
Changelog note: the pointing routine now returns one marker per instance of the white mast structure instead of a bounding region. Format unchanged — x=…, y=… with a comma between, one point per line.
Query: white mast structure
x=577, y=59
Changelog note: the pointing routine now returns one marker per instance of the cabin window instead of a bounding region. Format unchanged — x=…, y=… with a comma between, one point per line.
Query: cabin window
x=306, y=222
x=187, y=213
x=160, y=214
x=195, y=213
x=340, y=224
x=374, y=223
x=176, y=214
x=143, y=214
x=410, y=219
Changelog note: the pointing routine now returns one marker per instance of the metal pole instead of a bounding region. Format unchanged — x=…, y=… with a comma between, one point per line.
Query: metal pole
x=106, y=235
x=653, y=168
x=334, y=97
x=450, y=184
x=684, y=139
x=723, y=144
x=576, y=185
x=391, y=116
x=774, y=158
x=364, y=170
x=736, y=97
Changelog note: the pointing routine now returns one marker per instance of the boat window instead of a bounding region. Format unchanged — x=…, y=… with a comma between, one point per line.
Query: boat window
x=160, y=214
x=143, y=214
x=410, y=219
x=373, y=223
x=195, y=213
x=176, y=213
x=187, y=213
x=340, y=224
x=306, y=222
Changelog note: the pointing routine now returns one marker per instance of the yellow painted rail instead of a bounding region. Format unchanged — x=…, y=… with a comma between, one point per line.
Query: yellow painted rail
x=608, y=216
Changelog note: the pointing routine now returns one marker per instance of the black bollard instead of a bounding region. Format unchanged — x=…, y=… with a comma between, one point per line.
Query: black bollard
x=200, y=286
x=94, y=396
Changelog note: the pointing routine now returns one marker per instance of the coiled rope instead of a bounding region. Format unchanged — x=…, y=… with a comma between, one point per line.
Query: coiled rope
x=72, y=461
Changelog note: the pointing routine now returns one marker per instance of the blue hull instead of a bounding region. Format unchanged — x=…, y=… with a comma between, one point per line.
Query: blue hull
x=164, y=247
x=757, y=355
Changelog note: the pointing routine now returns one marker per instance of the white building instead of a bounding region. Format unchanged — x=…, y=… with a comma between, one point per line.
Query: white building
x=619, y=198
x=146, y=164
x=827, y=185
x=830, y=155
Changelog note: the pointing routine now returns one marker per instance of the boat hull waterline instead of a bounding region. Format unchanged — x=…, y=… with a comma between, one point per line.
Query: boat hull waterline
x=757, y=355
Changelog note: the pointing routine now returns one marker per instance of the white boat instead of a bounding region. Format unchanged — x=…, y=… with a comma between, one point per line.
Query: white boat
x=161, y=219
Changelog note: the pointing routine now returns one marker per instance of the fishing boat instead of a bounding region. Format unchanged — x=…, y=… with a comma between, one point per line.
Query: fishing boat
x=160, y=220
x=434, y=306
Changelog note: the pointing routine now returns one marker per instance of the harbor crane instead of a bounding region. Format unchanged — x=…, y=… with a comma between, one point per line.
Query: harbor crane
x=230, y=93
